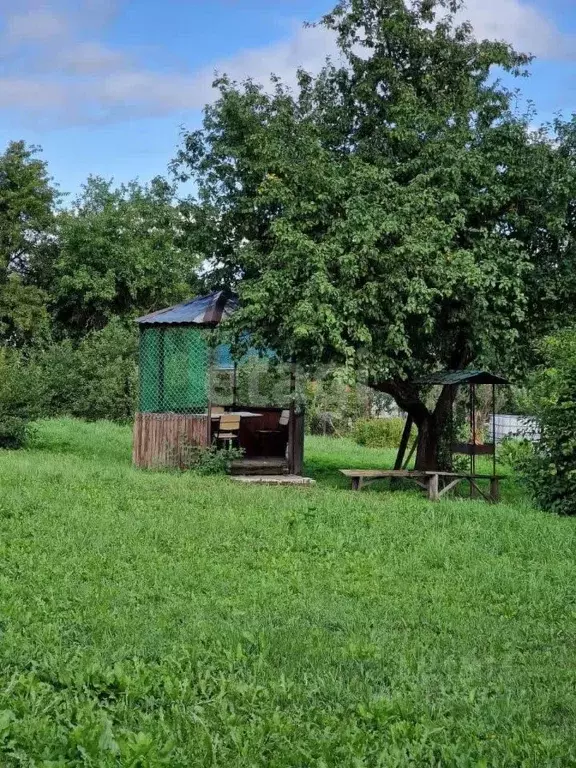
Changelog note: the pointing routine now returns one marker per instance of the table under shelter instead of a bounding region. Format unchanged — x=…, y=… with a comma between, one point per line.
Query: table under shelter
x=194, y=392
x=469, y=435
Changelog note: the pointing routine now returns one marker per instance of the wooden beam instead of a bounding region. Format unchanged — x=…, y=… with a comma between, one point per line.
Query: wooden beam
x=404, y=442
x=402, y=447
x=475, y=487
x=449, y=486
x=411, y=453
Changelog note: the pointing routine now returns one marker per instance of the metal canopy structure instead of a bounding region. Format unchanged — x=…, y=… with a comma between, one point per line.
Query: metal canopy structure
x=472, y=445
x=449, y=378
x=208, y=311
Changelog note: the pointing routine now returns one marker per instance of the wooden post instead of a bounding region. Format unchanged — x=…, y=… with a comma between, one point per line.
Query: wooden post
x=473, y=418
x=404, y=442
x=451, y=437
x=495, y=489
x=402, y=448
x=161, y=376
x=433, y=490
x=298, y=442
x=235, y=385
x=292, y=422
x=210, y=358
x=494, y=427
x=472, y=439
x=411, y=453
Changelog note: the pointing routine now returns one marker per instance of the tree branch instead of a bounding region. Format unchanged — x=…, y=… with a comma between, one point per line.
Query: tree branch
x=407, y=397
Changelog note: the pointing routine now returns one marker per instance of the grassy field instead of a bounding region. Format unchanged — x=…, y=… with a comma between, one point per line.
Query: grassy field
x=152, y=619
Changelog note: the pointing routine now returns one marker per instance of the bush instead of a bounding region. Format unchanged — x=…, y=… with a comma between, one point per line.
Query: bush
x=379, y=433
x=210, y=461
x=18, y=398
x=552, y=471
x=334, y=404
x=516, y=453
x=95, y=379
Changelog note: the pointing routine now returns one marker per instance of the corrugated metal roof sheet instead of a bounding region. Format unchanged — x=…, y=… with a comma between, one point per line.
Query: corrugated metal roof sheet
x=461, y=377
x=202, y=310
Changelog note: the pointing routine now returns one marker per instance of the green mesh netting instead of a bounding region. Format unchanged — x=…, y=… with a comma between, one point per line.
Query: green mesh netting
x=174, y=370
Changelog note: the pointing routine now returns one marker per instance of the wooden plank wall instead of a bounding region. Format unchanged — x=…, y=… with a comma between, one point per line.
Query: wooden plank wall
x=161, y=439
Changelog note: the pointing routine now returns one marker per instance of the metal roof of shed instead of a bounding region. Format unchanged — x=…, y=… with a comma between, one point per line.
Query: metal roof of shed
x=462, y=377
x=202, y=310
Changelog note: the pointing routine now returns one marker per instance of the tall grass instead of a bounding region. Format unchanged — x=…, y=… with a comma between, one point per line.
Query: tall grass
x=153, y=619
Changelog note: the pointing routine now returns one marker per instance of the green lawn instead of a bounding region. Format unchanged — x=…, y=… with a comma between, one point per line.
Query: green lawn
x=157, y=619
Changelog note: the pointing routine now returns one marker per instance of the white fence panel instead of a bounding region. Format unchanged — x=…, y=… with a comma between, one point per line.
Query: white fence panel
x=508, y=425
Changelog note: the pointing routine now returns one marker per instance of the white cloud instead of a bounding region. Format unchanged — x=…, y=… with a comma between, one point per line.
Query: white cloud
x=88, y=80
x=157, y=93
x=35, y=25
x=20, y=93
x=521, y=24
x=307, y=48
x=91, y=57
x=71, y=75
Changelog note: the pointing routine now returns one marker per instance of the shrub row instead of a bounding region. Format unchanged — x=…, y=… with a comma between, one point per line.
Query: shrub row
x=551, y=471
x=379, y=433
x=95, y=379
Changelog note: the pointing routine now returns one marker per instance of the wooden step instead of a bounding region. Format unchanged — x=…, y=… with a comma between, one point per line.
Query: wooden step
x=259, y=466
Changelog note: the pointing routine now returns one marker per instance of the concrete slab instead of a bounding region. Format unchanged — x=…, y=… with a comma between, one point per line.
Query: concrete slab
x=273, y=479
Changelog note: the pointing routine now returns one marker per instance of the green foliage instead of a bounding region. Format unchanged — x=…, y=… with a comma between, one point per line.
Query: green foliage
x=381, y=214
x=119, y=255
x=379, y=433
x=552, y=473
x=260, y=382
x=27, y=200
x=18, y=398
x=93, y=379
x=516, y=453
x=163, y=619
x=209, y=460
x=333, y=404
x=392, y=213
x=513, y=400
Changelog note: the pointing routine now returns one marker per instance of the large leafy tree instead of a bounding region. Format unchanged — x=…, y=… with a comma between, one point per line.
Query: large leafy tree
x=27, y=235
x=392, y=213
x=119, y=254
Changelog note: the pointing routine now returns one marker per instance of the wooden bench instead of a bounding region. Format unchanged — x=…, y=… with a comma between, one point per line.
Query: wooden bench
x=437, y=484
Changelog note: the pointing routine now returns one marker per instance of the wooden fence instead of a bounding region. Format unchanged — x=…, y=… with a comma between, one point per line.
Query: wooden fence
x=164, y=439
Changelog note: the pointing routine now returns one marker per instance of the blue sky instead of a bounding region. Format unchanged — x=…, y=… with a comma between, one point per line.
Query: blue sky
x=103, y=85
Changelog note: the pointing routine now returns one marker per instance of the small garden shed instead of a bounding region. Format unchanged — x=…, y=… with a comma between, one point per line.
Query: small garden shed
x=194, y=393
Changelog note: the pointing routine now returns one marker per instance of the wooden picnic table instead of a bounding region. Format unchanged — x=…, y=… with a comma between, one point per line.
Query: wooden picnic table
x=428, y=480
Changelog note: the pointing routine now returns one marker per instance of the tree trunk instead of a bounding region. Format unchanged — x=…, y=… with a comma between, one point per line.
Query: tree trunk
x=433, y=431
x=431, y=425
x=428, y=449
